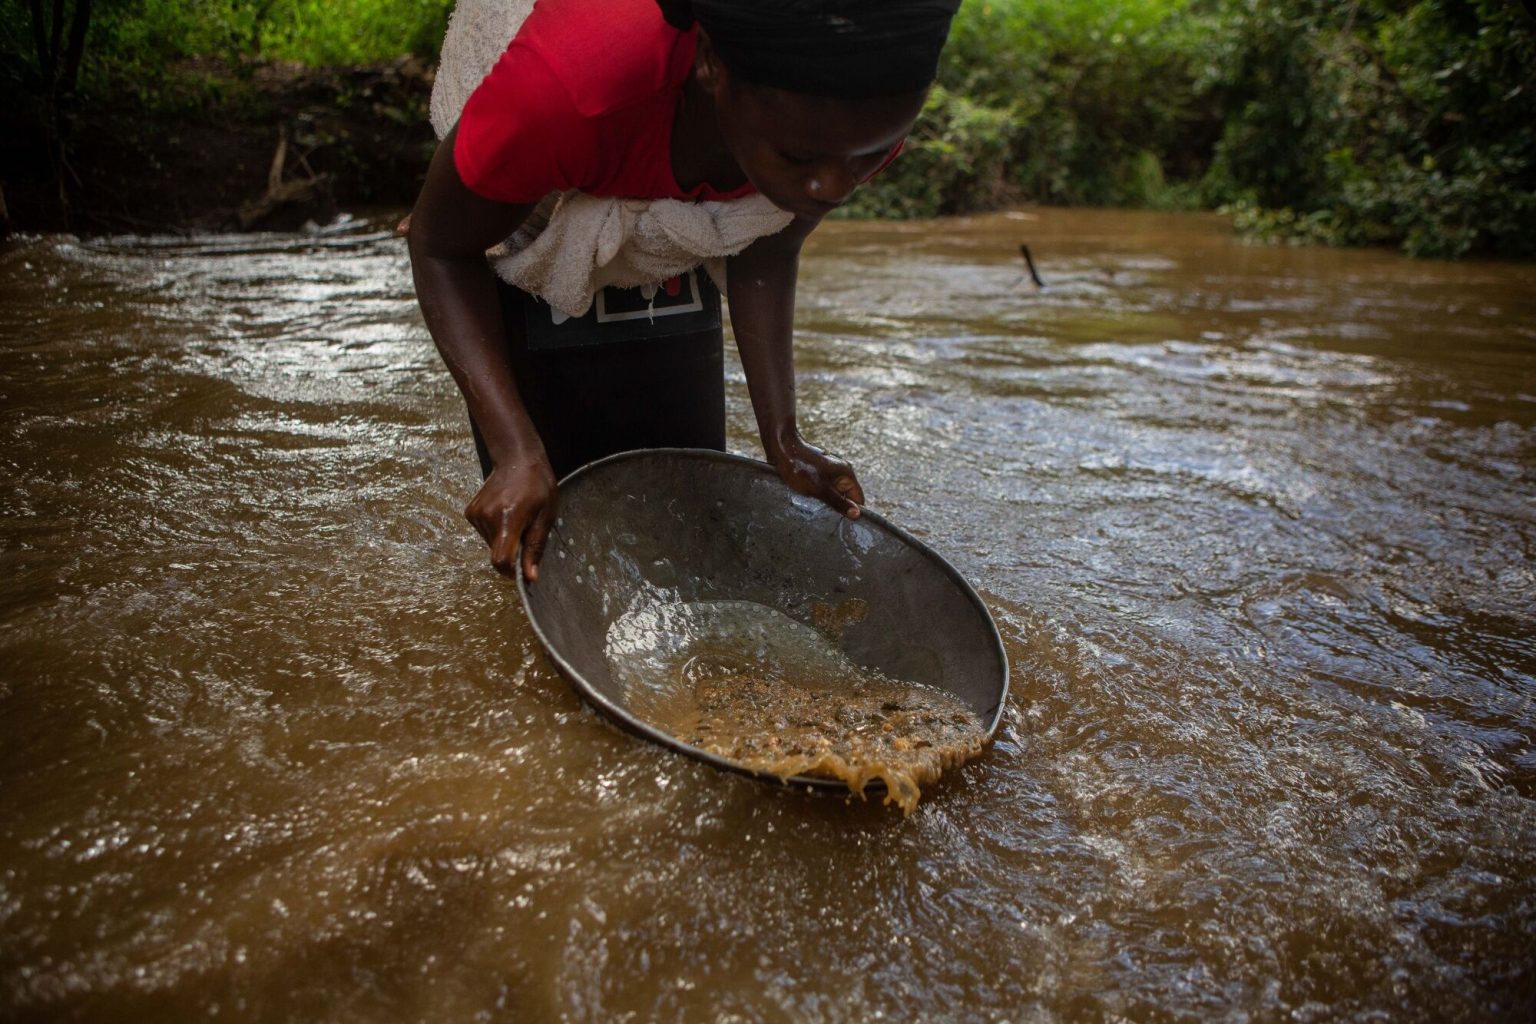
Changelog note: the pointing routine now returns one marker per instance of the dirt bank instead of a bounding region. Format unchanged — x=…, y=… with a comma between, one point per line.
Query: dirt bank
x=222, y=147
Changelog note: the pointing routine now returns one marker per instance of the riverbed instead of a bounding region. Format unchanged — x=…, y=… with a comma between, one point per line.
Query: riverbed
x=1258, y=526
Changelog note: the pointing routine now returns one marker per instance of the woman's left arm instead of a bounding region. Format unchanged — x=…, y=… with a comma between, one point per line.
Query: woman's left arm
x=760, y=282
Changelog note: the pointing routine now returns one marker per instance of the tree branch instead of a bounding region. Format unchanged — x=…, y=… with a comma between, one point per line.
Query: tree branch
x=55, y=42
x=69, y=74
x=40, y=40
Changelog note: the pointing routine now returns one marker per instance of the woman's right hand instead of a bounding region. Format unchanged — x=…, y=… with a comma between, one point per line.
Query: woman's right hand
x=516, y=504
x=449, y=230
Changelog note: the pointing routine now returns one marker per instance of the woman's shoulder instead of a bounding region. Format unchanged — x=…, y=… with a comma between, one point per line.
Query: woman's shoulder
x=607, y=54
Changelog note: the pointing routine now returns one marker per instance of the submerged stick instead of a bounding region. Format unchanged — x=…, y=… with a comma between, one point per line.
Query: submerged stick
x=1029, y=262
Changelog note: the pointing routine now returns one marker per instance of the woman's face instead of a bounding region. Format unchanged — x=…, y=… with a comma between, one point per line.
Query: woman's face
x=806, y=154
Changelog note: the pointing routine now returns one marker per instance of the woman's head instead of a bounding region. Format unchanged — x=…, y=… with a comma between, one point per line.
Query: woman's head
x=838, y=49
x=811, y=95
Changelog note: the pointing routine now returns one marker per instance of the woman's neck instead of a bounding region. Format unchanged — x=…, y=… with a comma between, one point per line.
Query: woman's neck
x=698, y=152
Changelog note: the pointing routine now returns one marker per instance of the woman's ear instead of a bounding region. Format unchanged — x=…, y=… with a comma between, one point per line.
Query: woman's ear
x=707, y=67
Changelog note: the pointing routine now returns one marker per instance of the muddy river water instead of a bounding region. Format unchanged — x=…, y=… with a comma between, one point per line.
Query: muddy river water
x=1258, y=526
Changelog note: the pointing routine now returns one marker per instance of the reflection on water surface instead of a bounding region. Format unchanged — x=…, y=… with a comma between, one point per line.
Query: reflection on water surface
x=1258, y=526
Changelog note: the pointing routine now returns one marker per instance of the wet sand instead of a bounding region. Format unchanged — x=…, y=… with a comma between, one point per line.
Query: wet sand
x=750, y=684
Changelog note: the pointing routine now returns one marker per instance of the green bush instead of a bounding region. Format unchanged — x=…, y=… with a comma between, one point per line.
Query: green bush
x=136, y=39
x=1103, y=94
x=1374, y=122
x=954, y=161
x=1091, y=102
x=322, y=32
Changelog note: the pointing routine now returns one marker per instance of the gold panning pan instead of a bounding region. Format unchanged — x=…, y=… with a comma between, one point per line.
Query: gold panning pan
x=681, y=528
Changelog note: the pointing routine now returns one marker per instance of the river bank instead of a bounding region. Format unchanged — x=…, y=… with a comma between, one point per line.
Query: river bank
x=1397, y=125
x=253, y=146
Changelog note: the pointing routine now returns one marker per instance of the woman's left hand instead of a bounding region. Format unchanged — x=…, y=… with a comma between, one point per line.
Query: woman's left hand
x=817, y=474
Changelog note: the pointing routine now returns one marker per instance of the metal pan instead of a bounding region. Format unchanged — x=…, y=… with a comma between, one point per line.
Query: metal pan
x=706, y=526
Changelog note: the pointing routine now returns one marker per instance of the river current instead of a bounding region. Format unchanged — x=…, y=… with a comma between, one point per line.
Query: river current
x=1258, y=526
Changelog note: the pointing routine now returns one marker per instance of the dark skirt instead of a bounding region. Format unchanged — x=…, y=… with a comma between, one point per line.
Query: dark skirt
x=638, y=371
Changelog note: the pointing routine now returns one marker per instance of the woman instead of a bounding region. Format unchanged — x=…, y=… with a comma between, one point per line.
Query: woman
x=710, y=100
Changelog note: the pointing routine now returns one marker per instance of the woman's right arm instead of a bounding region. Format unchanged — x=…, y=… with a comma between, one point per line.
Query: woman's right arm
x=450, y=229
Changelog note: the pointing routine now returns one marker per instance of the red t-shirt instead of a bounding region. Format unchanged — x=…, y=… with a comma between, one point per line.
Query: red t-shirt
x=583, y=99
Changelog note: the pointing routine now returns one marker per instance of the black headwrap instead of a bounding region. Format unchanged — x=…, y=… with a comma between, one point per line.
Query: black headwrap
x=847, y=49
